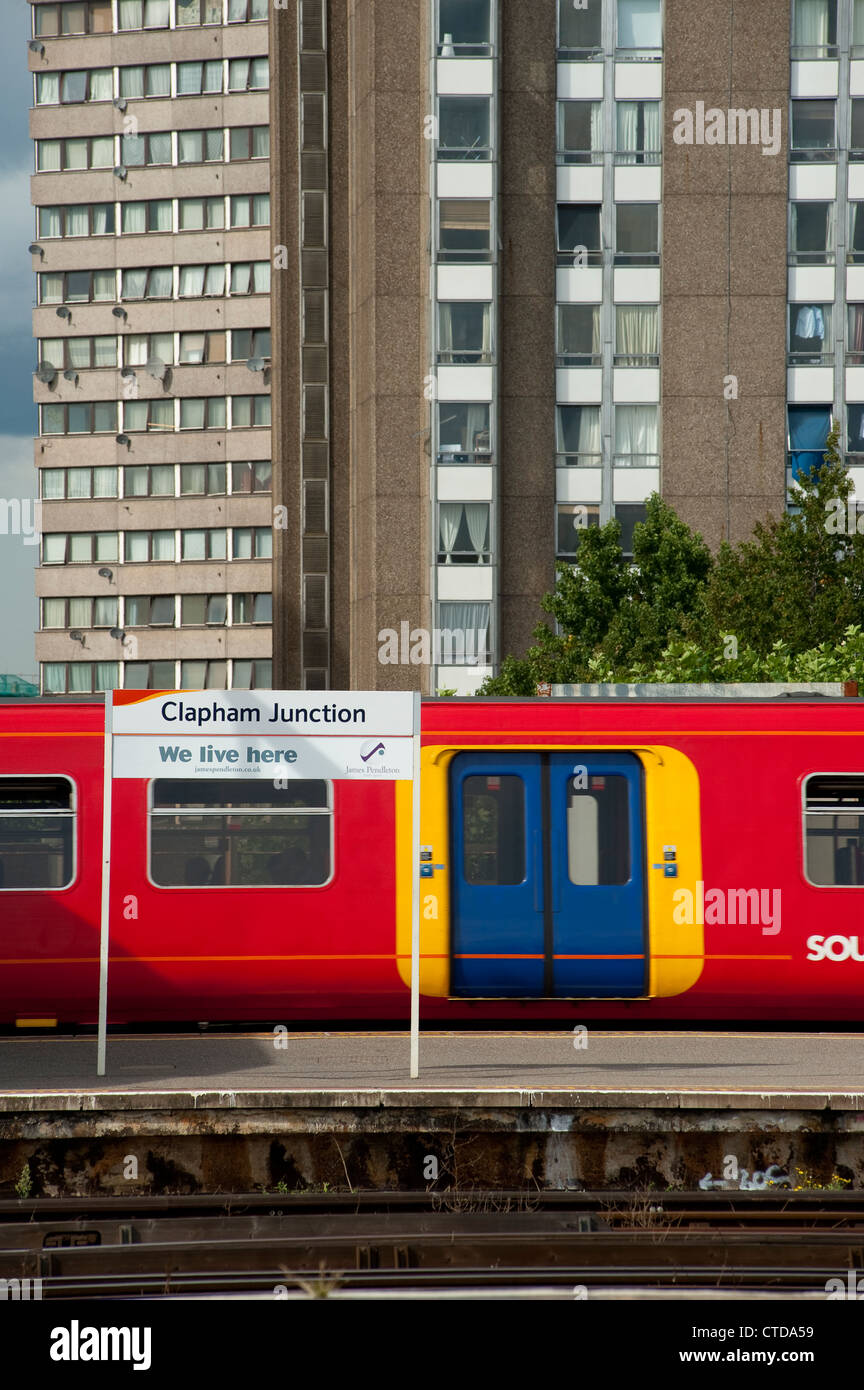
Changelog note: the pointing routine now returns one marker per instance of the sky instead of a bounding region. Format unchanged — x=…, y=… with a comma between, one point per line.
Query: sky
x=18, y=612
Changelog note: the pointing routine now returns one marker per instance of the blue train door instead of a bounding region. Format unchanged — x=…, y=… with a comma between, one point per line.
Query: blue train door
x=548, y=876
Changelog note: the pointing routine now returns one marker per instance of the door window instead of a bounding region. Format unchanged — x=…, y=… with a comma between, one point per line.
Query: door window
x=494, y=830
x=598, y=831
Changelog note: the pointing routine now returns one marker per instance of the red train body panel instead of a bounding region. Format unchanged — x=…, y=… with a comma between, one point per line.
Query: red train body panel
x=337, y=951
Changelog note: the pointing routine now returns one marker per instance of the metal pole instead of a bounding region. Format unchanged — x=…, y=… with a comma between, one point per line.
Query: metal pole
x=415, y=896
x=106, y=882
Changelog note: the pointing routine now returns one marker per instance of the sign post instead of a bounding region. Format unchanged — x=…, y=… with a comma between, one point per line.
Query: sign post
x=262, y=735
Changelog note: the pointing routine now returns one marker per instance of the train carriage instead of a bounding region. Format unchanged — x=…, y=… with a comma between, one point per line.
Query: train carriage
x=664, y=859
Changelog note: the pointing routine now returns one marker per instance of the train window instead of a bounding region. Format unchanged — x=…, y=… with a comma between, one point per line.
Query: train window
x=494, y=830
x=247, y=835
x=37, y=833
x=834, y=829
x=598, y=830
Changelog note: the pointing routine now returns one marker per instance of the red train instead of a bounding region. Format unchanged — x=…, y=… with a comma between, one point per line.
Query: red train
x=622, y=860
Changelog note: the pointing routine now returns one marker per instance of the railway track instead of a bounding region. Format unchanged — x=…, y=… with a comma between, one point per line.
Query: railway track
x=360, y=1243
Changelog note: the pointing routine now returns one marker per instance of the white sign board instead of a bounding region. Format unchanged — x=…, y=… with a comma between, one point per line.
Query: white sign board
x=263, y=735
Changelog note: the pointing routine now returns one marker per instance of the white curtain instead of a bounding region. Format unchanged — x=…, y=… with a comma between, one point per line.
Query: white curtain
x=162, y=480
x=238, y=74
x=134, y=218
x=192, y=280
x=477, y=517
x=77, y=220
x=53, y=611
x=80, y=676
x=193, y=545
x=157, y=13
x=54, y=549
x=161, y=284
x=192, y=348
x=261, y=210
x=636, y=433
x=191, y=414
x=161, y=415
x=858, y=24
x=637, y=333
x=134, y=284
x=213, y=142
x=105, y=351
x=101, y=84
x=236, y=10
x=163, y=545
x=241, y=277
x=811, y=24
x=135, y=416
x=449, y=517
x=213, y=77
x=259, y=74
x=137, y=346
x=160, y=215
x=241, y=211
x=216, y=413
x=651, y=117
x=105, y=612
x=76, y=154
x=104, y=482
x=241, y=412
x=159, y=80
x=189, y=146
x=242, y=543
x=101, y=152
x=189, y=77
x=47, y=156
x=627, y=118
x=104, y=284
x=472, y=621
x=132, y=82
x=78, y=482
x=48, y=89
x=103, y=219
x=50, y=222
x=137, y=547
x=130, y=14
x=215, y=280
x=597, y=132
x=79, y=612
x=106, y=675
x=160, y=149
x=191, y=214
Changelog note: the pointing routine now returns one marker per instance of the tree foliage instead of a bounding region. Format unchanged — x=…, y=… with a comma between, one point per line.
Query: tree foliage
x=787, y=604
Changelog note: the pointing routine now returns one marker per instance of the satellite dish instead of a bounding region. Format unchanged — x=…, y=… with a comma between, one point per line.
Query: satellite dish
x=71, y=375
x=256, y=364
x=118, y=312
x=120, y=103
x=127, y=371
x=120, y=171
x=157, y=368
x=47, y=374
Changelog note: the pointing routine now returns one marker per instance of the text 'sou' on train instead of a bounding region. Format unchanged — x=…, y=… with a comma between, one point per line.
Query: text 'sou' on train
x=667, y=859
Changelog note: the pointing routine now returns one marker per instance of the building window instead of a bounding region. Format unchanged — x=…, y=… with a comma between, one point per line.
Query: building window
x=148, y=349
x=157, y=283
x=245, y=11
x=637, y=132
x=834, y=830
x=200, y=146
x=578, y=226
x=250, y=210
x=251, y=477
x=138, y=151
x=813, y=130
x=79, y=548
x=202, y=348
x=247, y=412
x=809, y=330
x=96, y=219
x=199, y=79
x=252, y=675
x=153, y=216
x=464, y=125
x=71, y=483
x=248, y=74
x=201, y=610
x=249, y=343
x=639, y=29
x=143, y=14
x=250, y=142
x=812, y=233
x=142, y=547
x=250, y=277
x=154, y=480
x=465, y=332
x=69, y=88
x=201, y=281
x=252, y=543
x=249, y=835
x=637, y=335
x=857, y=28
x=79, y=612
x=580, y=32
x=855, y=432
x=191, y=12
x=55, y=156
x=77, y=286
x=79, y=677
x=578, y=441
x=204, y=675
x=142, y=611
x=855, y=339
x=807, y=437
x=79, y=353
x=580, y=132
x=73, y=17
x=464, y=229
x=154, y=80
x=463, y=433
x=202, y=413
x=637, y=234
x=571, y=519
x=463, y=634
x=463, y=533
x=464, y=28
x=814, y=28
x=149, y=675
x=629, y=515
x=209, y=544
x=84, y=417
x=251, y=608
x=141, y=417
x=579, y=343
x=636, y=436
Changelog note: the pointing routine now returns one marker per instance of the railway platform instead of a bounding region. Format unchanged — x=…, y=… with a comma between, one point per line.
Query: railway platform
x=277, y=1111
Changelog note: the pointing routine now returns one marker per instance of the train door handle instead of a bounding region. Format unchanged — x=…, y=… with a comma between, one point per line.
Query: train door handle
x=556, y=865
x=538, y=871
